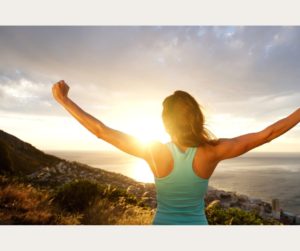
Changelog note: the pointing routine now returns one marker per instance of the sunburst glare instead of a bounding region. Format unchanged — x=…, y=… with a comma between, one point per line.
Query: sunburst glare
x=141, y=171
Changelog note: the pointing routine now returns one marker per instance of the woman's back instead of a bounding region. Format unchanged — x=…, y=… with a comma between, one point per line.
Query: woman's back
x=180, y=194
x=184, y=122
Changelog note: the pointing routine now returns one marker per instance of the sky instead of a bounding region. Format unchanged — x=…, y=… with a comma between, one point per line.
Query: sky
x=245, y=78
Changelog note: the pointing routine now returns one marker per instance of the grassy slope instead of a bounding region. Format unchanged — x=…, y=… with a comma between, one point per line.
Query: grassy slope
x=24, y=202
x=84, y=202
x=21, y=203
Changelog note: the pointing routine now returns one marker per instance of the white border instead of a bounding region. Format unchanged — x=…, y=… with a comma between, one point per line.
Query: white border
x=150, y=238
x=141, y=12
x=146, y=12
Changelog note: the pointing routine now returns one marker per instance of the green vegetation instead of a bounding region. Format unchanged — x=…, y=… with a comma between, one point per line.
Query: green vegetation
x=216, y=215
x=99, y=204
x=86, y=202
x=76, y=196
x=78, y=202
x=21, y=203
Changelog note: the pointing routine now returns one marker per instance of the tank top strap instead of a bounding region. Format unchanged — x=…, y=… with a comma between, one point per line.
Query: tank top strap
x=183, y=162
x=191, y=153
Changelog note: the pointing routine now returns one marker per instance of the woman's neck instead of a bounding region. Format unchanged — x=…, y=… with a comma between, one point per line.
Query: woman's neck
x=181, y=147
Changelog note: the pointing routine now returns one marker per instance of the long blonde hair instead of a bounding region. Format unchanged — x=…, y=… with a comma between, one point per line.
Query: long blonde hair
x=184, y=119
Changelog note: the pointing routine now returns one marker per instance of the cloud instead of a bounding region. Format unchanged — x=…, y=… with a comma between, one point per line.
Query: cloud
x=245, y=77
x=19, y=93
x=231, y=68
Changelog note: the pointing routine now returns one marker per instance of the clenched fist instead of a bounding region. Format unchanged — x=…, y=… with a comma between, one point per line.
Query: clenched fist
x=60, y=91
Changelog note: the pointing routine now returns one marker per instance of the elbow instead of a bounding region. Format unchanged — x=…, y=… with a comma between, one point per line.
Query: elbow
x=98, y=135
x=100, y=132
x=268, y=135
x=268, y=140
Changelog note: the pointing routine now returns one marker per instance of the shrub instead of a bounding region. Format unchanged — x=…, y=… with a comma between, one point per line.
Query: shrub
x=217, y=215
x=24, y=204
x=115, y=194
x=82, y=195
x=106, y=212
x=77, y=195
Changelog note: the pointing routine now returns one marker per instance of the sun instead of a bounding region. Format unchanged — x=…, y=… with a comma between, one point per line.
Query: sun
x=146, y=129
x=147, y=133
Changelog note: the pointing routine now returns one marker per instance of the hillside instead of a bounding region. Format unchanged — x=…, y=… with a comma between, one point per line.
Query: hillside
x=23, y=160
x=23, y=165
x=20, y=157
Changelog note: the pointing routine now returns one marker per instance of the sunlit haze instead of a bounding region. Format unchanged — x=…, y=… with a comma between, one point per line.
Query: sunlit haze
x=245, y=78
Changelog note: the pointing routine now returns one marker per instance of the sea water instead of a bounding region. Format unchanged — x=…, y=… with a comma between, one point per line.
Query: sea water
x=260, y=175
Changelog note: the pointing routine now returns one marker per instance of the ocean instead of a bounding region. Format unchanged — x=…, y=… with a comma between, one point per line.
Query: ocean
x=259, y=175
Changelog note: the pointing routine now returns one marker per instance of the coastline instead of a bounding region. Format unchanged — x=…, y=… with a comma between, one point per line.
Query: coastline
x=254, y=169
x=66, y=171
x=37, y=168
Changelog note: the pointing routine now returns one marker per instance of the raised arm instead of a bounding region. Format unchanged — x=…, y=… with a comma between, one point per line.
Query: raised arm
x=123, y=141
x=233, y=147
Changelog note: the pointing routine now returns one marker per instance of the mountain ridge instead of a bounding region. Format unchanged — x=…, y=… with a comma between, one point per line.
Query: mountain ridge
x=24, y=158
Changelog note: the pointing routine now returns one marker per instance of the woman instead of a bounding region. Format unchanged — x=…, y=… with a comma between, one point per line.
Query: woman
x=182, y=167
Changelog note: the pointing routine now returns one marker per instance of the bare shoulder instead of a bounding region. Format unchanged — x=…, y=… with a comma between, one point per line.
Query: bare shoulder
x=208, y=153
x=213, y=150
x=157, y=150
x=159, y=158
x=156, y=146
x=205, y=161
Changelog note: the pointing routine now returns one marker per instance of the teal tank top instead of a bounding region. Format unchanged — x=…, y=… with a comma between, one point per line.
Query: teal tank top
x=180, y=194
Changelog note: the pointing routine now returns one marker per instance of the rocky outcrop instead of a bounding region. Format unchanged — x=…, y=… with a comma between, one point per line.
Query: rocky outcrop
x=233, y=199
x=227, y=199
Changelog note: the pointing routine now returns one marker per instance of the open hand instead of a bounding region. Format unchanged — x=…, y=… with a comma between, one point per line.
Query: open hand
x=60, y=91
